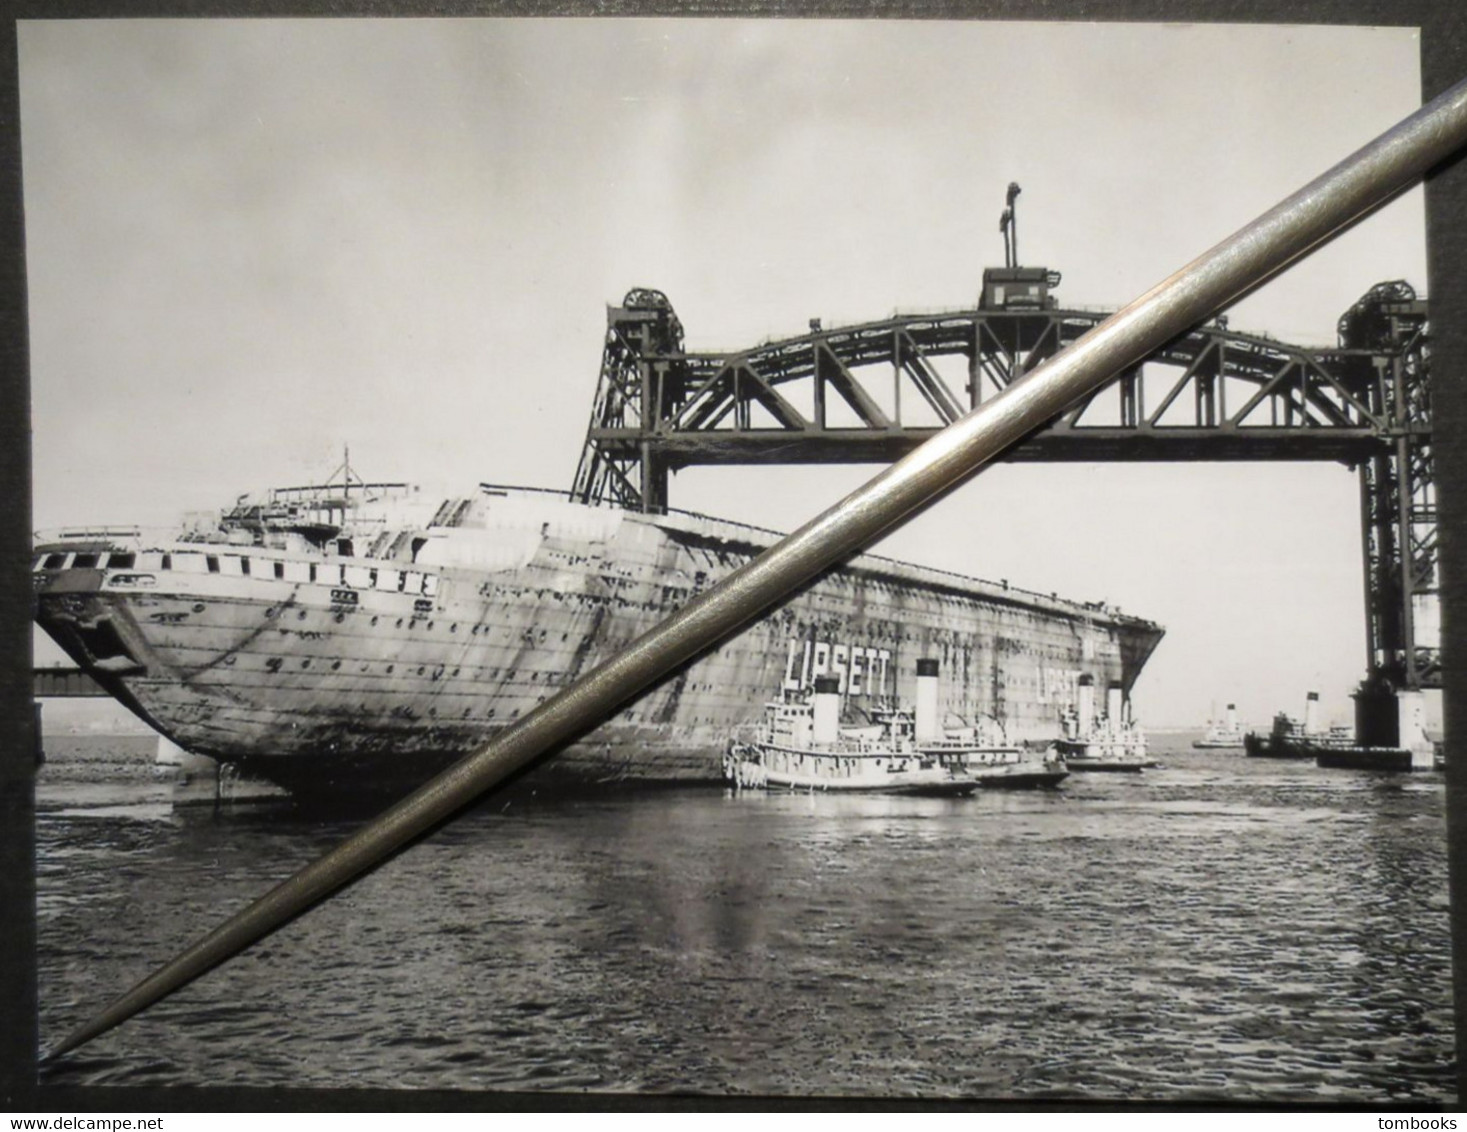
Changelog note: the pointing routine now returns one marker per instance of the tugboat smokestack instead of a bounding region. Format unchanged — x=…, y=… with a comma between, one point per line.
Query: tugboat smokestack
x=1086, y=706
x=1311, y=713
x=826, y=709
x=926, y=722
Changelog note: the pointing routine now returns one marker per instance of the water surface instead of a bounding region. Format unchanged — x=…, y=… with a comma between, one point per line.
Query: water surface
x=1222, y=928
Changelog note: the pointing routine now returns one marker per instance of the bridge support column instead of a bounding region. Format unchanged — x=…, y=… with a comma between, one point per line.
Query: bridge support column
x=654, y=481
x=1377, y=715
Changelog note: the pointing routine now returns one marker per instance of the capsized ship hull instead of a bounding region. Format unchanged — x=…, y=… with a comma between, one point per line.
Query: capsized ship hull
x=333, y=644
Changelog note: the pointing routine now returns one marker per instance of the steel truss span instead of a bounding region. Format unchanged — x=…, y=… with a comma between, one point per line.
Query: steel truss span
x=872, y=392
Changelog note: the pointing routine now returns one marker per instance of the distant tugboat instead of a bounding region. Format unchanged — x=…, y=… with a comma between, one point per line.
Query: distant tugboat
x=801, y=745
x=1339, y=746
x=1290, y=738
x=1112, y=741
x=1225, y=734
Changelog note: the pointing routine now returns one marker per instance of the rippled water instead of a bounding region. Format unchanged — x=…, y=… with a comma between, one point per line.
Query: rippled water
x=1221, y=928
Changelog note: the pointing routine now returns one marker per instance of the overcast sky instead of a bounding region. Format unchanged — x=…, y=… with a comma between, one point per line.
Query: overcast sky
x=250, y=243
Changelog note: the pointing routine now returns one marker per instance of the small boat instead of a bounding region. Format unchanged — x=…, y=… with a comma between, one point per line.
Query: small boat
x=800, y=745
x=1223, y=734
x=985, y=752
x=1024, y=771
x=1114, y=765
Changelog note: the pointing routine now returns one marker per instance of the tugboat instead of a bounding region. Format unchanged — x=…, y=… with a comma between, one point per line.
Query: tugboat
x=1291, y=739
x=1341, y=748
x=801, y=745
x=1225, y=734
x=1112, y=741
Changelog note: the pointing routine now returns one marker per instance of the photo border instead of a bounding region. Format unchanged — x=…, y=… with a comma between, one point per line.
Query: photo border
x=1443, y=28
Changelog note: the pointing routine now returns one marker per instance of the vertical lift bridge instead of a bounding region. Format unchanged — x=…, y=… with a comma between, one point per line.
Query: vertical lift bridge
x=869, y=393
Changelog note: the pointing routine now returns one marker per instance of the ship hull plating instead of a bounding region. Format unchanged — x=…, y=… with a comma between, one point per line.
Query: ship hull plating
x=370, y=674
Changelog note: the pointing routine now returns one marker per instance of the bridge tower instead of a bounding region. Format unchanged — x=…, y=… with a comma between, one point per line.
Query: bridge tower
x=1384, y=338
x=643, y=382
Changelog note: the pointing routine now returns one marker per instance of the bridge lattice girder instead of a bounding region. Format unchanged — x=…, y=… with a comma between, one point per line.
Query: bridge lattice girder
x=872, y=392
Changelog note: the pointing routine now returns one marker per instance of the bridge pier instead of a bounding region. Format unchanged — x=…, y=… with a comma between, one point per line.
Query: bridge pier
x=1377, y=715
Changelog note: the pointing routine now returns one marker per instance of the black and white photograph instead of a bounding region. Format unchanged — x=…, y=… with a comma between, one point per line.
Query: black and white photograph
x=392, y=379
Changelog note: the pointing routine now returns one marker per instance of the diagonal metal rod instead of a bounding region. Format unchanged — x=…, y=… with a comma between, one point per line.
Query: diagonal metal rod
x=1353, y=187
